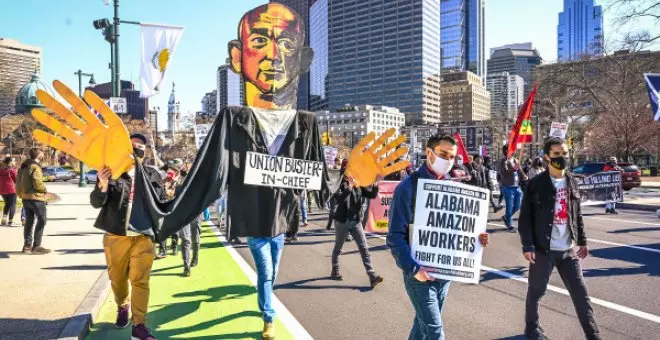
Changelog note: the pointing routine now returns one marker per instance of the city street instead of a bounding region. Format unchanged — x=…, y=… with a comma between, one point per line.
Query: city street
x=622, y=274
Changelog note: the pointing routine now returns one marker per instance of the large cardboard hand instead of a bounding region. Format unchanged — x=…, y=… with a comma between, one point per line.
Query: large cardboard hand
x=365, y=165
x=88, y=139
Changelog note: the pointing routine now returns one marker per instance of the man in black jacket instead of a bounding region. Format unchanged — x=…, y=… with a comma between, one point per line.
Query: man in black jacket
x=128, y=242
x=550, y=226
x=348, y=217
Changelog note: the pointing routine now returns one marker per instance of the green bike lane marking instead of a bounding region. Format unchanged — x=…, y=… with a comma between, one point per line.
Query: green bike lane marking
x=216, y=302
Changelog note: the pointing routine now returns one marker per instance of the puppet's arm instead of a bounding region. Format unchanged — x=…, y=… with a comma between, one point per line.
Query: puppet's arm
x=205, y=181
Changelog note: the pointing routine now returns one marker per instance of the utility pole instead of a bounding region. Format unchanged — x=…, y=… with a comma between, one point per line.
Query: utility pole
x=116, y=88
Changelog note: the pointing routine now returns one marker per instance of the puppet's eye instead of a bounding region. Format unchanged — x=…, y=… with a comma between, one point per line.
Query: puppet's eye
x=285, y=44
x=259, y=41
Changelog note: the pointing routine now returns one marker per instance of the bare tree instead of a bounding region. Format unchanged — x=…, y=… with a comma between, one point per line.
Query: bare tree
x=630, y=13
x=605, y=99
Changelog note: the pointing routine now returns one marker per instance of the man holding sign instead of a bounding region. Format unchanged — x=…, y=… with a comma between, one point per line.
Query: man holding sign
x=550, y=225
x=427, y=293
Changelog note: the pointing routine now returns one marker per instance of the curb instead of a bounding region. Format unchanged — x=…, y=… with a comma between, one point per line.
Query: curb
x=636, y=206
x=78, y=326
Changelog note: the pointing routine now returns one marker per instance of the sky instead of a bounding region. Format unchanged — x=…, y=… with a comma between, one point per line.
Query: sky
x=64, y=31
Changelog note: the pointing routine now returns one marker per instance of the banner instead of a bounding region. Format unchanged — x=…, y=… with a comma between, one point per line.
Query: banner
x=201, y=131
x=282, y=172
x=558, y=130
x=600, y=188
x=330, y=154
x=158, y=45
x=378, y=215
x=653, y=85
x=449, y=217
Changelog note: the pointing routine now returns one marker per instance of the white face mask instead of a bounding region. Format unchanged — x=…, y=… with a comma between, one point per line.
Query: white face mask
x=441, y=166
x=459, y=162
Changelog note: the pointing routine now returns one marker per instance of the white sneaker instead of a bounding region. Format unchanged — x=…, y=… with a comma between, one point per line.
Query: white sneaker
x=4, y=221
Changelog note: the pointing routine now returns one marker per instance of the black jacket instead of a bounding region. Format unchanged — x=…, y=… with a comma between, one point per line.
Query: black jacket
x=252, y=210
x=537, y=213
x=114, y=204
x=350, y=201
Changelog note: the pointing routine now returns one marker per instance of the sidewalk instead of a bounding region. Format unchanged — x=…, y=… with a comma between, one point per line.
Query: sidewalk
x=39, y=294
x=216, y=302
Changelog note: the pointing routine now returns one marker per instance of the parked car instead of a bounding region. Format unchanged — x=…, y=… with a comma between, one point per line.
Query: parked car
x=48, y=174
x=58, y=174
x=91, y=176
x=631, y=173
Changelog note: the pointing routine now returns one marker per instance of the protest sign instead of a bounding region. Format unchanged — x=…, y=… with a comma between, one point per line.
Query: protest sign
x=201, y=131
x=449, y=217
x=282, y=172
x=330, y=154
x=558, y=130
x=600, y=188
x=379, y=208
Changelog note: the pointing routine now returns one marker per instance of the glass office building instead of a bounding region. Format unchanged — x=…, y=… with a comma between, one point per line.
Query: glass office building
x=377, y=52
x=580, y=30
x=462, y=35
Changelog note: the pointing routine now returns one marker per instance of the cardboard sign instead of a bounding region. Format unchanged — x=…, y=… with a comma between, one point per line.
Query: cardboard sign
x=449, y=216
x=201, y=131
x=330, y=155
x=600, y=188
x=282, y=172
x=558, y=130
x=378, y=216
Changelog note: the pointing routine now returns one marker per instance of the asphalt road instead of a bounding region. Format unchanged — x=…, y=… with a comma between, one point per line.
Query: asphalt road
x=622, y=275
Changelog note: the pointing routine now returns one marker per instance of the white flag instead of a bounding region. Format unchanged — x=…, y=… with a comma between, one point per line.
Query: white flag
x=158, y=45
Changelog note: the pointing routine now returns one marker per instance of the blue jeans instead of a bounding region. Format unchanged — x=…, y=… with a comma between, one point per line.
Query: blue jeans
x=303, y=208
x=266, y=252
x=512, y=197
x=428, y=299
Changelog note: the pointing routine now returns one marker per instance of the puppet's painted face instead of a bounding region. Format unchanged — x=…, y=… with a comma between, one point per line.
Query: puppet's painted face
x=270, y=53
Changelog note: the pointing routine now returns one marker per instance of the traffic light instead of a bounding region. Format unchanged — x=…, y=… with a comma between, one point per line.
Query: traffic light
x=325, y=138
x=570, y=143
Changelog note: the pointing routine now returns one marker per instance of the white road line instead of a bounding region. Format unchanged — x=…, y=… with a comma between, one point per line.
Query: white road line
x=606, y=242
x=621, y=221
x=294, y=327
x=606, y=304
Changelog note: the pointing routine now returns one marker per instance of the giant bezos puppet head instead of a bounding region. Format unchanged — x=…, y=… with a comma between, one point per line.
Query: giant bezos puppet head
x=270, y=54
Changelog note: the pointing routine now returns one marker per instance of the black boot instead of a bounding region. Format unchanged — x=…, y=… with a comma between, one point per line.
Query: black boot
x=186, y=272
x=335, y=275
x=193, y=261
x=375, y=279
x=174, y=248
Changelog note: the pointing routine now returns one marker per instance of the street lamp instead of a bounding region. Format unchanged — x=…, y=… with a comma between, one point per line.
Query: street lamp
x=82, y=182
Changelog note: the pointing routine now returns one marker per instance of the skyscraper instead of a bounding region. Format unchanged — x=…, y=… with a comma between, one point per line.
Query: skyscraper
x=506, y=94
x=580, y=30
x=377, y=52
x=516, y=59
x=18, y=62
x=462, y=35
x=230, y=88
x=302, y=8
x=464, y=98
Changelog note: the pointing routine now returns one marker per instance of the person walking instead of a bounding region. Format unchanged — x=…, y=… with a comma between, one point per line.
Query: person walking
x=128, y=239
x=32, y=191
x=426, y=294
x=190, y=236
x=8, y=178
x=536, y=168
x=612, y=165
x=553, y=199
x=511, y=174
x=348, y=217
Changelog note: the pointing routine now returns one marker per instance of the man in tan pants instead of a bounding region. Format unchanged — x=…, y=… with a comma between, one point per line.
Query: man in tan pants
x=128, y=242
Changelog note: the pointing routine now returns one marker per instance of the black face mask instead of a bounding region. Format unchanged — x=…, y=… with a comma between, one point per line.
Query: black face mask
x=559, y=162
x=138, y=152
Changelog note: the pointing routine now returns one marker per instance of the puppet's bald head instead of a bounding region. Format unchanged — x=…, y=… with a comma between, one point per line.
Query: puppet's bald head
x=270, y=51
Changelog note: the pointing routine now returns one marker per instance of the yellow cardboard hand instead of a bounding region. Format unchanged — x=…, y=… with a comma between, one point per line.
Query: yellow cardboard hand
x=88, y=139
x=365, y=165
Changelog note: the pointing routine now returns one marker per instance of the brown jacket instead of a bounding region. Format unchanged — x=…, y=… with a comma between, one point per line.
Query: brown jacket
x=30, y=184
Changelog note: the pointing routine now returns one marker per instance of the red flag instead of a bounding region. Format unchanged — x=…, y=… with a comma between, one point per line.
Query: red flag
x=521, y=132
x=460, y=148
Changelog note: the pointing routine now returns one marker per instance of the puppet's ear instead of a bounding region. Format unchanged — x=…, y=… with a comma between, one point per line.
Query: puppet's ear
x=306, y=57
x=235, y=55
